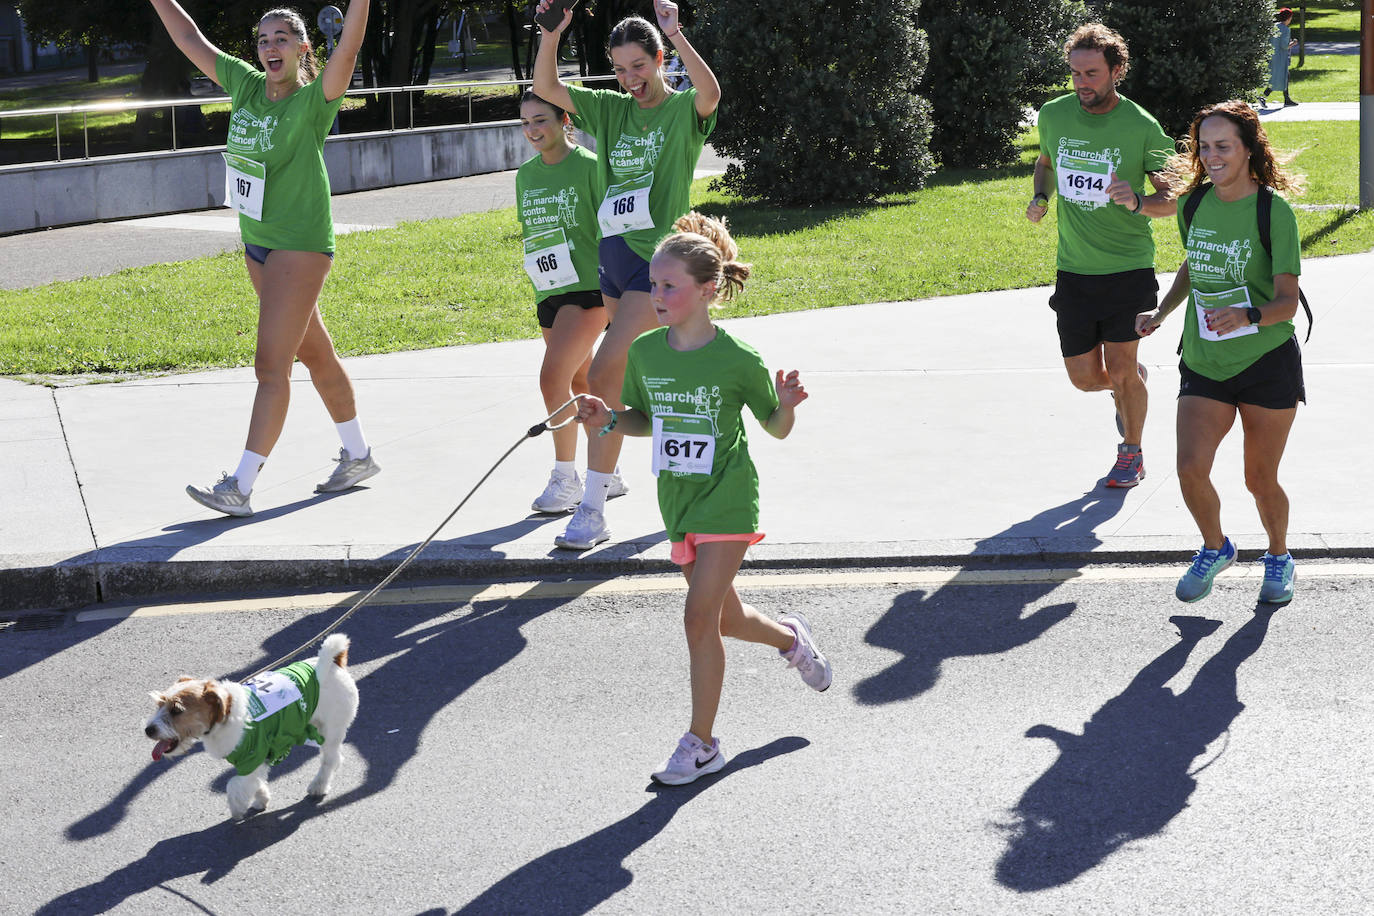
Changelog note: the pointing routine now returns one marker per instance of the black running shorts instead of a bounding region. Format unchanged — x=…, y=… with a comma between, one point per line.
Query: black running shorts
x=1092, y=309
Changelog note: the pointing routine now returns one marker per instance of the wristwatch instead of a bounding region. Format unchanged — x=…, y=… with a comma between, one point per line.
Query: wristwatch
x=1254, y=314
x=1041, y=200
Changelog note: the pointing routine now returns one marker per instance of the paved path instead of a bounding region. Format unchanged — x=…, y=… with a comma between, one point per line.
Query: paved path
x=928, y=438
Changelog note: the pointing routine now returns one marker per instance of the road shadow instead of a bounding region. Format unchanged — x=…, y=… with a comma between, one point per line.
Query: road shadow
x=957, y=621
x=1131, y=771
x=154, y=550
x=581, y=876
x=212, y=853
x=448, y=655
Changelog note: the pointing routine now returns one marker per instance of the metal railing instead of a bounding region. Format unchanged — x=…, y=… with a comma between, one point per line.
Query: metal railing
x=96, y=108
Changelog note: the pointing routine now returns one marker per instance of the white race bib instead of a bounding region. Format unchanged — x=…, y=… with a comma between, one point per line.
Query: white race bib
x=626, y=206
x=684, y=443
x=1083, y=178
x=548, y=260
x=244, y=182
x=1238, y=298
x=268, y=693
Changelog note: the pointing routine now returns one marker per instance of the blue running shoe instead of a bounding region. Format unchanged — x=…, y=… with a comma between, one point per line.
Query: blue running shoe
x=1278, y=579
x=1196, y=583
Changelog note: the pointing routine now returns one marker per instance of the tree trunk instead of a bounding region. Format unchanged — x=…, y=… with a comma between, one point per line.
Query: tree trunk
x=92, y=63
x=516, y=36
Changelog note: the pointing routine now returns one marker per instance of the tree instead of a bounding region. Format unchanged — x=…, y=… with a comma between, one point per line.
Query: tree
x=1185, y=56
x=990, y=60
x=92, y=24
x=820, y=99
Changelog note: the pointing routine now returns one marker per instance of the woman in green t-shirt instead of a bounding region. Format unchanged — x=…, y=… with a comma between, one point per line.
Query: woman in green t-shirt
x=648, y=140
x=276, y=179
x=556, y=193
x=1240, y=355
x=687, y=385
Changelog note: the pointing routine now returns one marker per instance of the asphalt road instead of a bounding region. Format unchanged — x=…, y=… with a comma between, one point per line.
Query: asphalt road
x=993, y=743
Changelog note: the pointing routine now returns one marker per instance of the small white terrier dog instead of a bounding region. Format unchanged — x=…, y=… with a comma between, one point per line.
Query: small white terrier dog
x=255, y=724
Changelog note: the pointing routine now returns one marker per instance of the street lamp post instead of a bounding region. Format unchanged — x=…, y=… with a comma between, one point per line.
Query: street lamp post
x=1366, y=104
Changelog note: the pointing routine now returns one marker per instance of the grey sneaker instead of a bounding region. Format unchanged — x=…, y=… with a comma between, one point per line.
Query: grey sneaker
x=617, y=486
x=562, y=494
x=690, y=760
x=1196, y=583
x=804, y=656
x=585, y=530
x=1278, y=579
x=1129, y=469
x=1144, y=377
x=349, y=472
x=224, y=496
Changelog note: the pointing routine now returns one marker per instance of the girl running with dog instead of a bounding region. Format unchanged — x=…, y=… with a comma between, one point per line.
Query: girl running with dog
x=556, y=193
x=276, y=179
x=686, y=385
x=648, y=141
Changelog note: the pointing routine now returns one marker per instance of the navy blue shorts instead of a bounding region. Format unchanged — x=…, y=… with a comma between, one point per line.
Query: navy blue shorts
x=621, y=270
x=259, y=253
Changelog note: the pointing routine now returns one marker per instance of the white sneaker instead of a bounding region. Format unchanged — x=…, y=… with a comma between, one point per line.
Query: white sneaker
x=562, y=494
x=691, y=760
x=804, y=656
x=585, y=530
x=617, y=486
x=224, y=496
x=349, y=472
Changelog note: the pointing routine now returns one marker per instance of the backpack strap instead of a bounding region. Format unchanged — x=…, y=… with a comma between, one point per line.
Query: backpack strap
x=1265, y=209
x=1189, y=209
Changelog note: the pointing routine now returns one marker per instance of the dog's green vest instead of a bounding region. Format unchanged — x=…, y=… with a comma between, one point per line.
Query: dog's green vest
x=280, y=704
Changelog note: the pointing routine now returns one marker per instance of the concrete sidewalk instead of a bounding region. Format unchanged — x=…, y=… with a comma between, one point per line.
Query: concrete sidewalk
x=938, y=431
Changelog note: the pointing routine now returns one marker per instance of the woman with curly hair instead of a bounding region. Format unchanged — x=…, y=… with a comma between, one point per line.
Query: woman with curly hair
x=1240, y=353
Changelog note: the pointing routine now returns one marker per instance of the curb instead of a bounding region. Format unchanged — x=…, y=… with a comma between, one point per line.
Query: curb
x=130, y=574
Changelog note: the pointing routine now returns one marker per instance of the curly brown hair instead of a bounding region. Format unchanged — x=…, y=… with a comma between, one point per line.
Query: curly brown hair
x=1187, y=172
x=1094, y=36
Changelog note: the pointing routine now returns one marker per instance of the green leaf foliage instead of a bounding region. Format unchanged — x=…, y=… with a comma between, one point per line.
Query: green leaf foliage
x=1186, y=56
x=821, y=100
x=990, y=60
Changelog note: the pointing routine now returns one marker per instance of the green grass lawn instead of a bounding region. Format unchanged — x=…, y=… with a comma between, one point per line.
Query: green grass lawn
x=1324, y=78
x=1330, y=20
x=457, y=281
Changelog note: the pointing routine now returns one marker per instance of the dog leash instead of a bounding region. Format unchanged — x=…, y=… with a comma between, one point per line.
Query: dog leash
x=531, y=433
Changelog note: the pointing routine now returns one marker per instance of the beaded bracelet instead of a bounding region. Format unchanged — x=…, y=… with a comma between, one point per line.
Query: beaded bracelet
x=609, y=426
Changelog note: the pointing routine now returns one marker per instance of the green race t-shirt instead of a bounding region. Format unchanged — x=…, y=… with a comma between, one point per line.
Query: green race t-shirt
x=562, y=198
x=1097, y=236
x=288, y=138
x=716, y=381
x=280, y=706
x=1225, y=256
x=664, y=141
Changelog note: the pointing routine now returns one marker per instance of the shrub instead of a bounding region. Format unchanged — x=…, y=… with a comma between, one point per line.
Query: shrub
x=1185, y=56
x=990, y=60
x=820, y=98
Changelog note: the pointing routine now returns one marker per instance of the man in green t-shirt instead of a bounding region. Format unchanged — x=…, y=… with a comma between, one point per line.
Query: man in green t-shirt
x=1096, y=150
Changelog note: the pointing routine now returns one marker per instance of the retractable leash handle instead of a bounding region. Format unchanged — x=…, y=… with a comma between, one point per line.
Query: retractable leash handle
x=531, y=433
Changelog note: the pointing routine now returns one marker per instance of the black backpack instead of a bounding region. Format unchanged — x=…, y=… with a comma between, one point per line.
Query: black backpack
x=1264, y=210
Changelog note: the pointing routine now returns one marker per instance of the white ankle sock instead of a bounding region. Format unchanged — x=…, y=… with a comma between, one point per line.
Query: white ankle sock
x=351, y=435
x=565, y=468
x=247, y=474
x=594, y=491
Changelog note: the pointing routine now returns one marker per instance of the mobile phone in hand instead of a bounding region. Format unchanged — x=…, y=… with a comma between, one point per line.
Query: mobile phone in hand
x=552, y=17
